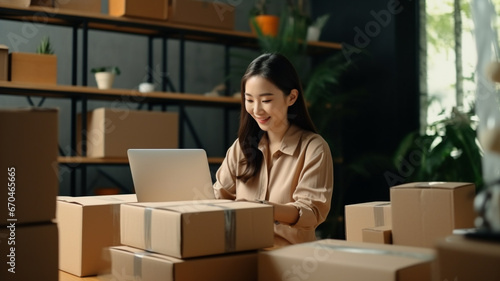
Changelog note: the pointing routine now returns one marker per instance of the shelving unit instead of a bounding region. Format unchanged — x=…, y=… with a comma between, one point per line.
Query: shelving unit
x=153, y=29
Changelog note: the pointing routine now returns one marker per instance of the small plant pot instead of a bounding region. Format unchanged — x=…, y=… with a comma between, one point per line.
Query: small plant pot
x=268, y=24
x=104, y=80
x=313, y=33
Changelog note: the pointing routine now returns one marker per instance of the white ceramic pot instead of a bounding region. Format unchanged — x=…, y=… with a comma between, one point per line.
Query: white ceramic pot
x=104, y=80
x=313, y=33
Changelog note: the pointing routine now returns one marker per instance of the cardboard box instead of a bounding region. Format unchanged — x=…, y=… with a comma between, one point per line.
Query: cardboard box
x=29, y=252
x=134, y=264
x=138, y=8
x=33, y=68
x=379, y=234
x=347, y=261
x=88, y=225
x=27, y=3
x=111, y=132
x=423, y=212
x=186, y=229
x=365, y=215
x=4, y=63
x=28, y=157
x=465, y=259
x=93, y=6
x=214, y=14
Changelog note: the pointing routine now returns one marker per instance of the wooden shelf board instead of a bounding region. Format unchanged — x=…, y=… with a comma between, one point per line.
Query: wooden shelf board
x=133, y=95
x=140, y=26
x=111, y=161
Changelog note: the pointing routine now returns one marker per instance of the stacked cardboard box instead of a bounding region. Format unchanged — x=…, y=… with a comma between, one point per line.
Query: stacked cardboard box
x=192, y=240
x=369, y=222
x=423, y=212
x=88, y=225
x=211, y=14
x=28, y=159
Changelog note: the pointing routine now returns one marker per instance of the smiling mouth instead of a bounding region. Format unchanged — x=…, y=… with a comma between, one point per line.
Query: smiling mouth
x=262, y=120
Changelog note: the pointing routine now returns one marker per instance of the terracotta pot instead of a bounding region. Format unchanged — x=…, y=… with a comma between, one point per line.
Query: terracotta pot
x=268, y=24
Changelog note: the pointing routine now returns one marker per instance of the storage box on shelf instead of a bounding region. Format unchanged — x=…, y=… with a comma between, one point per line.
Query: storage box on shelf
x=87, y=226
x=138, y=8
x=112, y=131
x=93, y=6
x=28, y=156
x=423, y=212
x=214, y=14
x=33, y=68
x=28, y=3
x=4, y=63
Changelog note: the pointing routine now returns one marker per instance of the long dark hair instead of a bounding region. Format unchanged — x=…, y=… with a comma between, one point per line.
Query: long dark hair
x=278, y=70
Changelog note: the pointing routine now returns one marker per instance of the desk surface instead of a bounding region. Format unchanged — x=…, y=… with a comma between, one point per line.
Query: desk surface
x=64, y=276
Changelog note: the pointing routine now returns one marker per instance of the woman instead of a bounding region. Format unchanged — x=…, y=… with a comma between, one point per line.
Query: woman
x=278, y=157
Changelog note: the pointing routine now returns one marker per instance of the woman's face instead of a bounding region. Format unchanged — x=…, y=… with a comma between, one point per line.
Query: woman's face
x=267, y=104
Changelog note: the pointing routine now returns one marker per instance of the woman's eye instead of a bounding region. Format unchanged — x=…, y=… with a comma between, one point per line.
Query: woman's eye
x=249, y=101
x=266, y=101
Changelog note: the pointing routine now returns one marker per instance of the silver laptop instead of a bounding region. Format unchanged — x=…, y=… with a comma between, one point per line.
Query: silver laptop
x=170, y=174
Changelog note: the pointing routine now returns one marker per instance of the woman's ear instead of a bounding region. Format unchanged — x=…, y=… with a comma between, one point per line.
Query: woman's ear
x=292, y=97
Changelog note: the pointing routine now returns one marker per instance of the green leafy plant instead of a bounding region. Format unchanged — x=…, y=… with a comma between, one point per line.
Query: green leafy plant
x=45, y=47
x=320, y=21
x=112, y=69
x=260, y=8
x=448, y=151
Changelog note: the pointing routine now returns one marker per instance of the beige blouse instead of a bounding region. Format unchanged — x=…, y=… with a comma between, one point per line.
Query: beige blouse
x=301, y=174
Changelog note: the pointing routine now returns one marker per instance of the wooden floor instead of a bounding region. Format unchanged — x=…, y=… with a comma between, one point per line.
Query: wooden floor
x=64, y=276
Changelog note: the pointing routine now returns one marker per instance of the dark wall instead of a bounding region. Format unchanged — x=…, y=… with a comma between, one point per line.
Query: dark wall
x=380, y=36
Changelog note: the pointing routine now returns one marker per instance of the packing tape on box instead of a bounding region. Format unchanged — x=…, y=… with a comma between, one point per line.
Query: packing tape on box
x=229, y=224
x=385, y=252
x=116, y=223
x=378, y=213
x=230, y=227
x=148, y=212
x=138, y=264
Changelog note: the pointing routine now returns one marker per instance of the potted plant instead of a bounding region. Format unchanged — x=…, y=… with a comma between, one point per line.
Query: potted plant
x=105, y=76
x=40, y=68
x=448, y=151
x=314, y=30
x=261, y=21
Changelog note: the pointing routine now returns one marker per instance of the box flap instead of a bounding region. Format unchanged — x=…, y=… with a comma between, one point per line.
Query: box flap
x=194, y=206
x=136, y=251
x=433, y=185
x=99, y=200
x=180, y=205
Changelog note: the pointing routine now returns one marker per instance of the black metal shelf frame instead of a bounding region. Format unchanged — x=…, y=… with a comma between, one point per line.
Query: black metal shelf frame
x=82, y=23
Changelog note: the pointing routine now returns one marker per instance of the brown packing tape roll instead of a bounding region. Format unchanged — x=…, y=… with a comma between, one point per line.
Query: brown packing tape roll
x=378, y=213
